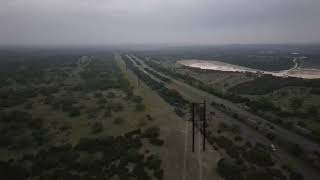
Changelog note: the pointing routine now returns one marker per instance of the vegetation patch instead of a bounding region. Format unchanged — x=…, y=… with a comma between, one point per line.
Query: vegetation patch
x=90, y=158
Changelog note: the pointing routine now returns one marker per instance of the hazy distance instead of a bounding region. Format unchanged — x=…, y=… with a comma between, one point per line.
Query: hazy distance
x=116, y=22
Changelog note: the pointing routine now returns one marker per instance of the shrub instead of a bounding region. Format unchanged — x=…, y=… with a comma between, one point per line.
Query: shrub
x=233, y=151
x=98, y=94
x=117, y=107
x=65, y=127
x=107, y=113
x=118, y=120
x=152, y=132
x=158, y=174
x=137, y=99
x=235, y=129
x=297, y=150
x=179, y=112
x=238, y=138
x=222, y=126
x=259, y=156
x=149, y=117
x=140, y=172
x=111, y=95
x=229, y=170
x=28, y=105
x=142, y=122
x=132, y=133
x=156, y=141
x=97, y=127
x=296, y=103
x=254, y=174
x=224, y=142
x=140, y=107
x=153, y=162
x=73, y=112
x=313, y=111
x=92, y=112
x=296, y=176
x=101, y=101
x=288, y=124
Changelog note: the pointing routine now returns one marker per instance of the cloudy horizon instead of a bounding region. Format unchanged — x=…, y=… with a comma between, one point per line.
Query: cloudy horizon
x=107, y=22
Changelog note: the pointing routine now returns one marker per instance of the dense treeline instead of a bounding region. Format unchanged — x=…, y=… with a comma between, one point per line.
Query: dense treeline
x=24, y=77
x=90, y=158
x=257, y=154
x=31, y=69
x=20, y=130
x=268, y=83
x=230, y=170
x=13, y=97
x=315, y=91
x=248, y=161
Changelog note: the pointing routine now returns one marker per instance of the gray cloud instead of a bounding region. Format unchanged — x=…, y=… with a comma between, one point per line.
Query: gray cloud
x=96, y=22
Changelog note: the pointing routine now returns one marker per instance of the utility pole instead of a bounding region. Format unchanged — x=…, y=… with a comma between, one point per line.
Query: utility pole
x=204, y=126
x=193, y=127
x=200, y=110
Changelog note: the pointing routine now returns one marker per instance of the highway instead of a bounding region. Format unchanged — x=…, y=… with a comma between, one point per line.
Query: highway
x=283, y=136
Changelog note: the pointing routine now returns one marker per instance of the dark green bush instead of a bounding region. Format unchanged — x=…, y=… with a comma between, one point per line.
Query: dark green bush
x=118, y=121
x=97, y=127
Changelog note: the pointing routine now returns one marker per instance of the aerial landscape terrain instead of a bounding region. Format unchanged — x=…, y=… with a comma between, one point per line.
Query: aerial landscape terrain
x=159, y=90
x=104, y=113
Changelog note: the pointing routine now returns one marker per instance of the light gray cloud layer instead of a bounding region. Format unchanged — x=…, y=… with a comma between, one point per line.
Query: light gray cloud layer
x=98, y=22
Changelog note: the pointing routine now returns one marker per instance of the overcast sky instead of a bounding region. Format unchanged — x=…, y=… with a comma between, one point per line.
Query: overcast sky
x=105, y=22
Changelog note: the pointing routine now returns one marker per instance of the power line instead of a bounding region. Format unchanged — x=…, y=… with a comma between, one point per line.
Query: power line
x=201, y=112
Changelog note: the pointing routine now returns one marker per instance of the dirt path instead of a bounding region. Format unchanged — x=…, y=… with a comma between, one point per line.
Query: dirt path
x=179, y=162
x=185, y=151
x=199, y=156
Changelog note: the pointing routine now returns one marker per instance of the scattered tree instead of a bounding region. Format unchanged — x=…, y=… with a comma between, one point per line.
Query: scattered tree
x=97, y=127
x=118, y=120
x=296, y=103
